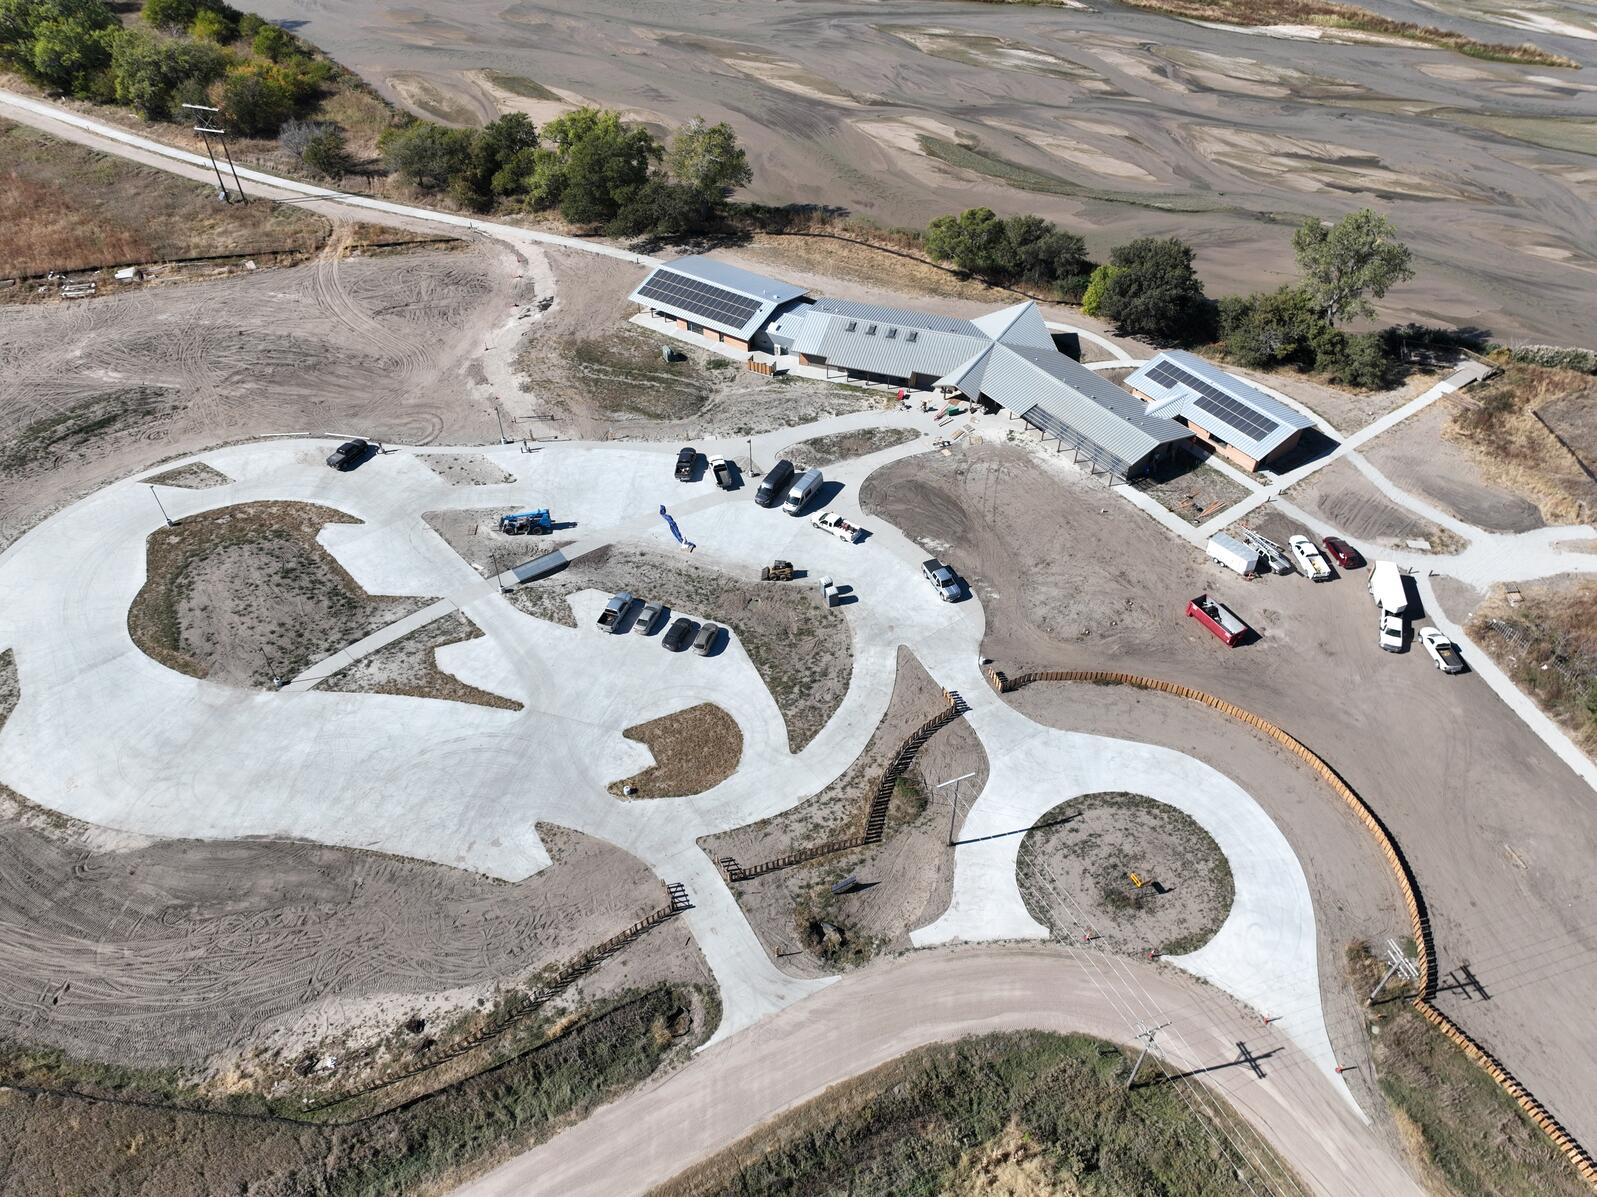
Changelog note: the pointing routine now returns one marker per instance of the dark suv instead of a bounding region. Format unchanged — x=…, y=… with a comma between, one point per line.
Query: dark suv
x=773, y=487
x=349, y=455
x=677, y=636
x=687, y=460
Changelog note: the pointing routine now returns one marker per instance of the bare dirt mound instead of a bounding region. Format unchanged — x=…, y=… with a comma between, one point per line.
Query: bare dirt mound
x=1076, y=871
x=840, y=446
x=244, y=594
x=194, y=476
x=694, y=750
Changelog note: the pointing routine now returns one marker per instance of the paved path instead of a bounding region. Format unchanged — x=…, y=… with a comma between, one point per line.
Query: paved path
x=892, y=1007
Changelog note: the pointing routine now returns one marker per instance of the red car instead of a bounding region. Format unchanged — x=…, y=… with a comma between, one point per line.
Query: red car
x=1345, y=554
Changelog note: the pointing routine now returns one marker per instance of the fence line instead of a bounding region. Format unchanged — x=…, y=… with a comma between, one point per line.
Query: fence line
x=1419, y=918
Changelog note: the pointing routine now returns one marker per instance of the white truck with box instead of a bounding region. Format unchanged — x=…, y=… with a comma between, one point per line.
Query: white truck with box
x=1387, y=589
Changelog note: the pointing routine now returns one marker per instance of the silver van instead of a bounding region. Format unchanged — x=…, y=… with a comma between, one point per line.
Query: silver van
x=804, y=489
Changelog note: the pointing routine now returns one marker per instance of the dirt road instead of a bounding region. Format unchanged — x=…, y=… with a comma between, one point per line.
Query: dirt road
x=892, y=1007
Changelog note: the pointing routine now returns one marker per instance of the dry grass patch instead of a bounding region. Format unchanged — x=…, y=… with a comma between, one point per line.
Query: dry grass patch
x=1507, y=426
x=694, y=750
x=194, y=476
x=1548, y=644
x=10, y=685
x=409, y=666
x=239, y=593
x=1327, y=15
x=64, y=207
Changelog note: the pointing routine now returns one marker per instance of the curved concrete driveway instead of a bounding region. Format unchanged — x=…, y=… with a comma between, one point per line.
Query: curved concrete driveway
x=892, y=1007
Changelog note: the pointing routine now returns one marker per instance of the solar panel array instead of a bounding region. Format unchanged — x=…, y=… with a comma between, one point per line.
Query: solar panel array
x=1215, y=401
x=713, y=303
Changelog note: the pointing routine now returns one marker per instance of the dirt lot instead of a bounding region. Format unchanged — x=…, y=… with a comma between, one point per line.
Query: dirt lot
x=840, y=446
x=1497, y=828
x=464, y=469
x=803, y=652
x=94, y=391
x=694, y=750
x=410, y=666
x=474, y=533
x=599, y=377
x=1075, y=871
x=245, y=594
x=1342, y=496
x=1192, y=489
x=1422, y=459
x=905, y=880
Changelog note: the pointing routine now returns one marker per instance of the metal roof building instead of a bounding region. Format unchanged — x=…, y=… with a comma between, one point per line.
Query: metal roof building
x=702, y=293
x=1239, y=420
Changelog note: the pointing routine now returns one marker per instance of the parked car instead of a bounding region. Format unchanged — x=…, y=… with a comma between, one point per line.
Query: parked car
x=774, y=485
x=349, y=455
x=725, y=475
x=1309, y=559
x=678, y=634
x=647, y=618
x=1342, y=553
x=687, y=461
x=805, y=487
x=1394, y=632
x=942, y=579
x=1442, y=650
x=704, y=642
x=615, y=610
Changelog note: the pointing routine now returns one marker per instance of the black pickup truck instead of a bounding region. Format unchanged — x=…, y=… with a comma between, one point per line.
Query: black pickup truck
x=687, y=462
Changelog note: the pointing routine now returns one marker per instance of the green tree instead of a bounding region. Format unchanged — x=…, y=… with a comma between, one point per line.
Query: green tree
x=171, y=15
x=1041, y=252
x=326, y=153
x=1362, y=361
x=214, y=25
x=1097, y=284
x=707, y=158
x=68, y=52
x=976, y=241
x=149, y=69
x=274, y=43
x=256, y=100
x=1270, y=328
x=1154, y=290
x=665, y=209
x=604, y=167
x=1347, y=264
x=428, y=155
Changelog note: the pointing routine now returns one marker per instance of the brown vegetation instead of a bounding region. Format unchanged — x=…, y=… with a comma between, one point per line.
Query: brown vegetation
x=409, y=666
x=240, y=593
x=1507, y=425
x=1351, y=17
x=841, y=446
x=694, y=750
x=1547, y=643
x=194, y=476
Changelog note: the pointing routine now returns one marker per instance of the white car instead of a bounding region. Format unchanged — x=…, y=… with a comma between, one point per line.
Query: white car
x=1442, y=650
x=1393, y=632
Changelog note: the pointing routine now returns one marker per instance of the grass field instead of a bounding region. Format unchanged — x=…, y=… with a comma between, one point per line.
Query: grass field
x=1024, y=1113
x=61, y=1145
x=694, y=750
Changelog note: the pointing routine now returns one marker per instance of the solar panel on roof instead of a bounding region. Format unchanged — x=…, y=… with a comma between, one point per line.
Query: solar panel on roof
x=1216, y=402
x=699, y=298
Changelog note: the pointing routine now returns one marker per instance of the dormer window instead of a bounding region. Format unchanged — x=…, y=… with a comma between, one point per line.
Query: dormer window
x=892, y=334
x=851, y=326
x=871, y=331
x=912, y=336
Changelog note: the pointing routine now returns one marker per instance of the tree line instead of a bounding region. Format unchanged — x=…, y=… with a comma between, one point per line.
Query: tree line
x=588, y=165
x=179, y=51
x=1150, y=288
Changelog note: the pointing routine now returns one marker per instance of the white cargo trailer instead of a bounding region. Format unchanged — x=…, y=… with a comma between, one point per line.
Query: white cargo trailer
x=1233, y=554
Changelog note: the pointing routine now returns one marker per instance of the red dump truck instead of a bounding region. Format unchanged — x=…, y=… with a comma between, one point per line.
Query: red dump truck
x=1219, y=619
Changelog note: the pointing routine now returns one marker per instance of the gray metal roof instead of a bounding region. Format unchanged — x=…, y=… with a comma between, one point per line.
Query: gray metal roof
x=1023, y=379
x=688, y=287
x=1254, y=422
x=869, y=342
x=903, y=317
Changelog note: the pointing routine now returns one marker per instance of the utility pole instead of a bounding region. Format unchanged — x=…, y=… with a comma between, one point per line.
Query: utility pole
x=953, y=806
x=207, y=127
x=753, y=473
x=1146, y=1035
x=500, y=420
x=1397, y=963
x=277, y=680
x=162, y=506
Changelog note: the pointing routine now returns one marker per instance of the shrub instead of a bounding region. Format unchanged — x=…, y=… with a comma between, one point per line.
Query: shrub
x=213, y=25
x=256, y=100
x=274, y=43
x=1269, y=328
x=62, y=44
x=1097, y=284
x=1013, y=249
x=149, y=69
x=1556, y=357
x=426, y=154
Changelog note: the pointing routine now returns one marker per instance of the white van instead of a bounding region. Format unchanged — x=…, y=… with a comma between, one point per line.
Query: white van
x=803, y=490
x=1386, y=587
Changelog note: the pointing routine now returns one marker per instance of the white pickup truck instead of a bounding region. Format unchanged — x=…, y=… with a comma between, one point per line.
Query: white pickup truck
x=831, y=521
x=1310, y=560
